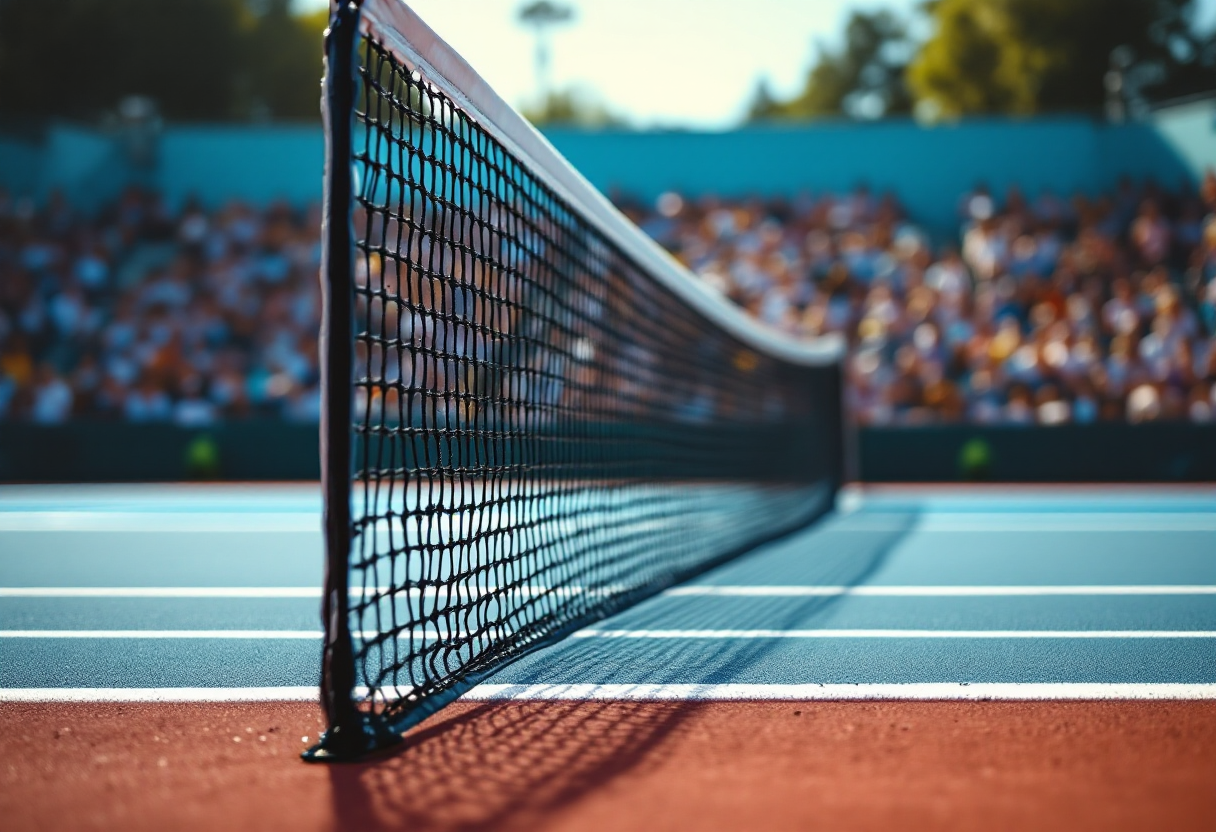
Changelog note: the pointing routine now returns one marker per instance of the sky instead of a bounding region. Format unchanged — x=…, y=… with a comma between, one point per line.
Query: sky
x=693, y=63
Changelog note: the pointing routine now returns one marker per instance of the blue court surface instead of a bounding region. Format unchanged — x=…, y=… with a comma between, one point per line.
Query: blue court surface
x=212, y=593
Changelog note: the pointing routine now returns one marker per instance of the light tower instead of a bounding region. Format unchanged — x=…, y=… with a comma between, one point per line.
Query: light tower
x=542, y=16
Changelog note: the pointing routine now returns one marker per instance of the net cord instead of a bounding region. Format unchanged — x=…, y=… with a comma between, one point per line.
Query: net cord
x=416, y=45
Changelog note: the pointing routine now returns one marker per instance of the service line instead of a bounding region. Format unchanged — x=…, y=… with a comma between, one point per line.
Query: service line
x=941, y=691
x=274, y=635
x=271, y=592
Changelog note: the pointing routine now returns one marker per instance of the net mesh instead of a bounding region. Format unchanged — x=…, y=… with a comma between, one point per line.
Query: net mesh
x=543, y=430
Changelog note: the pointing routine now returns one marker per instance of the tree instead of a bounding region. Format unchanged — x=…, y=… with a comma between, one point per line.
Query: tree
x=283, y=63
x=862, y=79
x=196, y=59
x=1031, y=56
x=77, y=58
x=574, y=107
x=764, y=106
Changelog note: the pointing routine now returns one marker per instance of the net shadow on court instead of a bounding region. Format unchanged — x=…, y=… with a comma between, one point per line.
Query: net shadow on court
x=506, y=765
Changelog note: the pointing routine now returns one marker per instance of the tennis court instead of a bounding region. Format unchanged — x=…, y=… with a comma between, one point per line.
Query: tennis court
x=155, y=592
x=137, y=600
x=589, y=548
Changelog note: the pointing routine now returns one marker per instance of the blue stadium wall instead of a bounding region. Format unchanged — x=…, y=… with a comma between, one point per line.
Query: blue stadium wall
x=928, y=167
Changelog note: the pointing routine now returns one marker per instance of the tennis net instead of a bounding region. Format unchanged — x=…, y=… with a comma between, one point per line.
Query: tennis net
x=532, y=416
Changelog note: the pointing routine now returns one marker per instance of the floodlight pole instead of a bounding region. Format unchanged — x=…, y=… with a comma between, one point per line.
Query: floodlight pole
x=542, y=16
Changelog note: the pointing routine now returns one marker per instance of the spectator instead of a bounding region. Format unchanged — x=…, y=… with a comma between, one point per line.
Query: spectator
x=177, y=336
x=1053, y=312
x=1049, y=311
x=1150, y=234
x=52, y=398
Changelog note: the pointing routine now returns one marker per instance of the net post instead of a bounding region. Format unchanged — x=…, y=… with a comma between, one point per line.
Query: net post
x=351, y=732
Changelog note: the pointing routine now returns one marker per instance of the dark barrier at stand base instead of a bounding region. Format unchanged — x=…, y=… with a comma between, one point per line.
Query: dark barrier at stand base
x=123, y=452
x=1107, y=452
x=263, y=450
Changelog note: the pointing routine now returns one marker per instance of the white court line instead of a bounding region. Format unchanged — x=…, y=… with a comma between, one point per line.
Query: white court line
x=1013, y=691
x=279, y=694
x=915, y=691
x=1020, y=522
x=677, y=592
x=1025, y=521
x=371, y=594
x=194, y=522
x=931, y=591
x=162, y=592
x=272, y=635
x=261, y=635
x=826, y=634
x=248, y=635
x=934, y=591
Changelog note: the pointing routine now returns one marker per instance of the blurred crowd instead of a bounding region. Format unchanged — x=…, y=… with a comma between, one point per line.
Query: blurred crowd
x=1045, y=310
x=144, y=314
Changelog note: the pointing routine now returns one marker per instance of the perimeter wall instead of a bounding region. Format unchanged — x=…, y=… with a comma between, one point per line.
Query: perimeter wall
x=928, y=167
x=273, y=450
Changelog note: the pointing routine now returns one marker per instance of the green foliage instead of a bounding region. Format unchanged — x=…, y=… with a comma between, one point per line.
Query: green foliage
x=282, y=67
x=572, y=107
x=863, y=79
x=1031, y=56
x=199, y=60
x=1010, y=57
